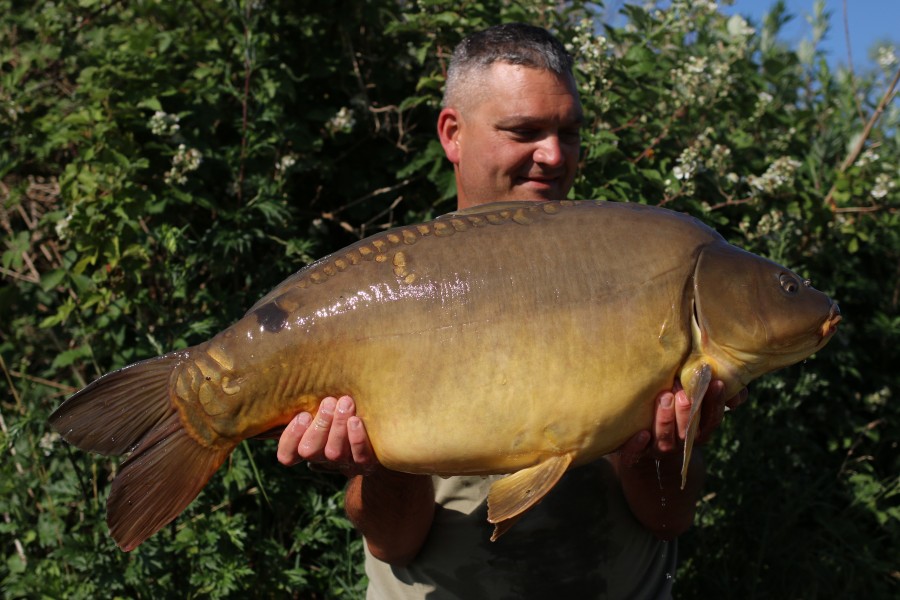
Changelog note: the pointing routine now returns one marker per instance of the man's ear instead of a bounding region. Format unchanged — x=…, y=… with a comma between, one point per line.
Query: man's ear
x=448, y=126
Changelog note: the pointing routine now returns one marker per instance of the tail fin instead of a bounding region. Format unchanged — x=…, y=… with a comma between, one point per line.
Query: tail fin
x=161, y=477
x=112, y=414
x=130, y=410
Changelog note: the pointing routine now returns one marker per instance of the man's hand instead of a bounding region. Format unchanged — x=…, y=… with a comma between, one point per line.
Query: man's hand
x=673, y=409
x=392, y=510
x=649, y=464
x=334, y=439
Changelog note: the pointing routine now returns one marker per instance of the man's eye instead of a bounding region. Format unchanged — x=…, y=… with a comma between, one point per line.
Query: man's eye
x=523, y=134
x=570, y=135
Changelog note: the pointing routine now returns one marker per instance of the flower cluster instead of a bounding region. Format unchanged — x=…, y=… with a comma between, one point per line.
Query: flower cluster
x=687, y=164
x=868, y=157
x=883, y=184
x=285, y=162
x=342, y=122
x=47, y=442
x=886, y=57
x=163, y=124
x=763, y=100
x=184, y=161
x=703, y=155
x=701, y=81
x=592, y=58
x=769, y=223
x=62, y=227
x=778, y=177
x=739, y=28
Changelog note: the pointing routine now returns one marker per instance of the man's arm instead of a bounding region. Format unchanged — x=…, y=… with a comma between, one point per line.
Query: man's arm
x=392, y=510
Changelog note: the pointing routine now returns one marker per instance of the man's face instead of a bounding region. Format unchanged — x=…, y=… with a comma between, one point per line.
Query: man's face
x=517, y=139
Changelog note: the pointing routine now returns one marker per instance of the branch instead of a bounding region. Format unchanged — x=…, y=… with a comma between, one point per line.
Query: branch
x=850, y=62
x=857, y=150
x=248, y=70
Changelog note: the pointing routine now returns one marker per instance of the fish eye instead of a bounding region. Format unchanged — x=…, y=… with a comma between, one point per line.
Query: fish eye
x=789, y=283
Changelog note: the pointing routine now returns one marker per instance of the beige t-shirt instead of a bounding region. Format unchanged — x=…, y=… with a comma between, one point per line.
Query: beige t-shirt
x=581, y=541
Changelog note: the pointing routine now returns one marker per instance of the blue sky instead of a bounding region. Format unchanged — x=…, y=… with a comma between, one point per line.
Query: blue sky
x=869, y=21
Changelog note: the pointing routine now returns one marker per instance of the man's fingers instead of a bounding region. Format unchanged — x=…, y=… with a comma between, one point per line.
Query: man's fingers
x=682, y=412
x=631, y=451
x=290, y=439
x=359, y=442
x=665, y=425
x=338, y=447
x=312, y=445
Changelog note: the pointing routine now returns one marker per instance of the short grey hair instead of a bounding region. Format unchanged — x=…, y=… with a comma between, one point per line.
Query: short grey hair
x=512, y=43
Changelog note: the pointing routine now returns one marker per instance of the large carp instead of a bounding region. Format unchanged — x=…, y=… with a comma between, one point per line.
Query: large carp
x=521, y=338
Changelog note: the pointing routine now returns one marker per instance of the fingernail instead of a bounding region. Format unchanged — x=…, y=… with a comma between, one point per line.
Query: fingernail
x=304, y=419
x=354, y=423
x=327, y=405
x=344, y=404
x=666, y=400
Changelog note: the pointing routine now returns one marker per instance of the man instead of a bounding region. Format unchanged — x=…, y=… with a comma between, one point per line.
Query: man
x=510, y=126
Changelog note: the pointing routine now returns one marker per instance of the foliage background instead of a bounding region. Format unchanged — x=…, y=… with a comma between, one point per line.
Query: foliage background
x=163, y=164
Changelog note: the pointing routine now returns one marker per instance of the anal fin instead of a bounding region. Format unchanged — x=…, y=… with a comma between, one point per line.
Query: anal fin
x=511, y=496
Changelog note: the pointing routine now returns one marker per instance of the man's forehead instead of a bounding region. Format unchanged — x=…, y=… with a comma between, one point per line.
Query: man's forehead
x=515, y=119
x=505, y=79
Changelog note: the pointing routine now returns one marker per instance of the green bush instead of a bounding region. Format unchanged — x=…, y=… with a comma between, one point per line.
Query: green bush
x=163, y=164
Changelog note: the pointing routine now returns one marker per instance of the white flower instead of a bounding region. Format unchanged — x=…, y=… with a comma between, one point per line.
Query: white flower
x=738, y=27
x=696, y=64
x=184, y=161
x=342, y=122
x=883, y=185
x=688, y=164
x=779, y=176
x=163, y=124
x=886, y=57
x=47, y=442
x=286, y=162
x=869, y=156
x=62, y=227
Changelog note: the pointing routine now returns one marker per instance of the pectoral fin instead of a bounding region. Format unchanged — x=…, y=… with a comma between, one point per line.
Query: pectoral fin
x=696, y=390
x=513, y=495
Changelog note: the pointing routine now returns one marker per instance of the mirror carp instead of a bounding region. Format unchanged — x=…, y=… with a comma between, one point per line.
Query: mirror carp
x=521, y=338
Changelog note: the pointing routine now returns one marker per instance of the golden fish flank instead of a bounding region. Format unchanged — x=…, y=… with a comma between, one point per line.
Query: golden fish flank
x=501, y=307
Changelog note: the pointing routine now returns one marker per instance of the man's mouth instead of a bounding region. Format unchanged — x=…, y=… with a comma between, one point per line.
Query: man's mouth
x=540, y=181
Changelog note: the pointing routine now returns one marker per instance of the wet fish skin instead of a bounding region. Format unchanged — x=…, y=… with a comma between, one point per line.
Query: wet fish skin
x=519, y=338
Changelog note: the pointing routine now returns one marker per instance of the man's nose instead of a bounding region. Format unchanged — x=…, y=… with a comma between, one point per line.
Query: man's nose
x=549, y=151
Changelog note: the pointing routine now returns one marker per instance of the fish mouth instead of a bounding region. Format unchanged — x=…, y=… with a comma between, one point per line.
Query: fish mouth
x=829, y=327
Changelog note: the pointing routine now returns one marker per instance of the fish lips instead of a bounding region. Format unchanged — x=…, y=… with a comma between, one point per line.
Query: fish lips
x=829, y=326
